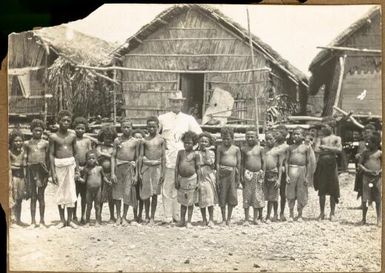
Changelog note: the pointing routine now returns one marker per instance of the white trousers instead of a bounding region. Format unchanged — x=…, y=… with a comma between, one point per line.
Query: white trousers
x=171, y=206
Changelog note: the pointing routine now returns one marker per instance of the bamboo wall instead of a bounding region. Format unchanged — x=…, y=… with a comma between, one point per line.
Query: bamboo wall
x=193, y=41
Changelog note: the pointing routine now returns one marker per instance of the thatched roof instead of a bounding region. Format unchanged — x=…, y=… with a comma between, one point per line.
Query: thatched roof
x=218, y=16
x=77, y=46
x=343, y=36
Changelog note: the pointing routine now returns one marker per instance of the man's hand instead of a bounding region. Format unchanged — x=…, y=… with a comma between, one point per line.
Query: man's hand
x=107, y=181
x=161, y=180
x=287, y=179
x=277, y=184
x=113, y=179
x=55, y=179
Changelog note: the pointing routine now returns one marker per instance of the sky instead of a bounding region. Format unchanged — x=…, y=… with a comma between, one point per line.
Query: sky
x=293, y=31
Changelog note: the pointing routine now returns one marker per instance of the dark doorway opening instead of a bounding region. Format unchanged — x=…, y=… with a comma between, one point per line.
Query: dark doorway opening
x=192, y=87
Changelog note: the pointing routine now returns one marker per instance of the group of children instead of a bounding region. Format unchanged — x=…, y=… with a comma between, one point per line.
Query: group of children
x=130, y=169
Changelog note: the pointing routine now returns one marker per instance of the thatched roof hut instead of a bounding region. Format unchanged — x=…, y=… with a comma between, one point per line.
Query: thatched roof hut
x=196, y=48
x=41, y=62
x=347, y=72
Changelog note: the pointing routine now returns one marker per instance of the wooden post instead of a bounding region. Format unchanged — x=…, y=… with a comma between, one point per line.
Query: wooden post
x=340, y=79
x=46, y=85
x=114, y=96
x=253, y=76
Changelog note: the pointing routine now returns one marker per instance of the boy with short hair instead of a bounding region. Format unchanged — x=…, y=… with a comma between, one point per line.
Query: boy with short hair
x=252, y=176
x=124, y=171
x=36, y=161
x=228, y=173
x=370, y=165
x=64, y=166
x=187, y=177
x=273, y=171
x=82, y=146
x=93, y=177
x=152, y=165
x=298, y=174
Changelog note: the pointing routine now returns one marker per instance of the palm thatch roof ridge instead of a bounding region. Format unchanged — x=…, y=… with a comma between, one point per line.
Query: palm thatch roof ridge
x=75, y=45
x=344, y=35
x=217, y=15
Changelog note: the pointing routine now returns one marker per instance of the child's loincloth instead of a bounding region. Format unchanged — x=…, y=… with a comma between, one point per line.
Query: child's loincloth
x=150, y=178
x=296, y=189
x=370, y=194
x=65, y=171
x=252, y=193
x=271, y=192
x=187, y=194
x=124, y=188
x=37, y=175
x=227, y=187
x=18, y=186
x=207, y=194
x=326, y=176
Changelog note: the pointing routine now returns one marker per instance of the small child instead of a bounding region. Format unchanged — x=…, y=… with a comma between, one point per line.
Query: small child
x=281, y=143
x=228, y=173
x=298, y=174
x=82, y=146
x=370, y=164
x=187, y=177
x=252, y=176
x=151, y=167
x=36, y=161
x=273, y=171
x=64, y=167
x=106, y=136
x=139, y=135
x=124, y=172
x=93, y=177
x=18, y=185
x=207, y=192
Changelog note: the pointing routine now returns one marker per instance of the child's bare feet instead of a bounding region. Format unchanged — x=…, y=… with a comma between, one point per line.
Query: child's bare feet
x=87, y=224
x=188, y=225
x=300, y=219
x=152, y=222
x=83, y=221
x=222, y=224
x=275, y=218
x=97, y=224
x=291, y=219
x=118, y=221
x=204, y=223
x=181, y=224
x=228, y=223
x=21, y=224
x=134, y=223
x=73, y=225
x=112, y=221
x=362, y=222
x=124, y=222
x=255, y=221
x=246, y=223
x=321, y=217
x=282, y=217
x=210, y=224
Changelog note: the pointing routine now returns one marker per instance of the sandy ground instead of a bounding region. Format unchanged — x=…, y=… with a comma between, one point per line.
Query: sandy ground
x=281, y=246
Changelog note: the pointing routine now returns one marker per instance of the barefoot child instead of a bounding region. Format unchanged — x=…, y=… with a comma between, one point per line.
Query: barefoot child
x=106, y=136
x=298, y=174
x=18, y=185
x=281, y=144
x=139, y=135
x=228, y=173
x=272, y=169
x=82, y=146
x=207, y=192
x=64, y=167
x=187, y=177
x=124, y=172
x=93, y=177
x=252, y=176
x=151, y=167
x=370, y=164
x=36, y=162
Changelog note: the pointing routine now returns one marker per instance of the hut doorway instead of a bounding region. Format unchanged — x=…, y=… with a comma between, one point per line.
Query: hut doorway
x=192, y=87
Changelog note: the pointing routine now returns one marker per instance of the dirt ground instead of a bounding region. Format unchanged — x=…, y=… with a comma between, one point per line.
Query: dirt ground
x=312, y=245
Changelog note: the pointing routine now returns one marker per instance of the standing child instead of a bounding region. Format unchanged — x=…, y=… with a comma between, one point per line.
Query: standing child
x=82, y=146
x=187, y=177
x=370, y=164
x=36, y=162
x=298, y=174
x=272, y=168
x=207, y=192
x=152, y=165
x=228, y=173
x=93, y=177
x=139, y=135
x=64, y=166
x=106, y=136
x=252, y=176
x=18, y=185
x=124, y=172
x=281, y=144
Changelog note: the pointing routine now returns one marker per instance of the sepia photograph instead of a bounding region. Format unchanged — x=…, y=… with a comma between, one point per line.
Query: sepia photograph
x=197, y=137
